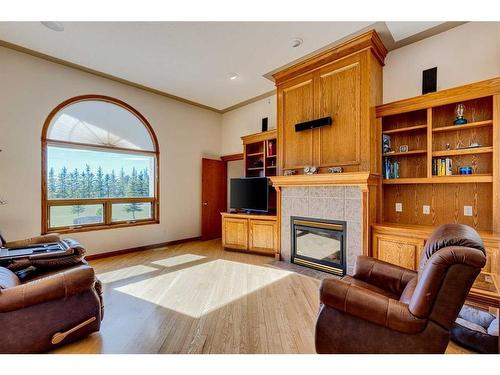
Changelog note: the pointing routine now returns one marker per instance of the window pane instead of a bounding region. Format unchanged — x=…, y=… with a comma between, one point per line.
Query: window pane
x=102, y=123
x=131, y=211
x=86, y=173
x=68, y=216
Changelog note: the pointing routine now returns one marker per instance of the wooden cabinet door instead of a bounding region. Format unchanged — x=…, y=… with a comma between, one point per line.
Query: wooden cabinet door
x=492, y=260
x=263, y=236
x=295, y=105
x=337, y=94
x=235, y=233
x=401, y=251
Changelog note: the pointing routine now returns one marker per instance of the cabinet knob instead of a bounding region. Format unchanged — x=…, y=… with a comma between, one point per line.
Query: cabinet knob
x=205, y=203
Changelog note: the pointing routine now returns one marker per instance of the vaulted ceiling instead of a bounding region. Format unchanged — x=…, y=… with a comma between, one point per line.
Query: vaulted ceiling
x=194, y=60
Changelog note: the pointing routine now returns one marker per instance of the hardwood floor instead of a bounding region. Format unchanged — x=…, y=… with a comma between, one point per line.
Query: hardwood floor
x=197, y=298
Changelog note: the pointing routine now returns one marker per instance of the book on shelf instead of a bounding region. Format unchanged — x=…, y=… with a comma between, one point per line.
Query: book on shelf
x=442, y=167
x=391, y=169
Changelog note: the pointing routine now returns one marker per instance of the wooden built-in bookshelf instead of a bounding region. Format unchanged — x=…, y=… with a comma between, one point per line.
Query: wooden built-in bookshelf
x=259, y=153
x=425, y=125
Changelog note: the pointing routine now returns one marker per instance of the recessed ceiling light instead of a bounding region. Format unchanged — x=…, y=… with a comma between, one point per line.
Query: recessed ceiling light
x=55, y=26
x=232, y=76
x=296, y=42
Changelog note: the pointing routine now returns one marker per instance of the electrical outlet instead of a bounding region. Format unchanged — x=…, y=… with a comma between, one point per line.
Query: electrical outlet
x=399, y=207
x=426, y=210
x=467, y=210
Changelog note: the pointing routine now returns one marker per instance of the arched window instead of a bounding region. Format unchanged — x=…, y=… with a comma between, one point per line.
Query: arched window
x=99, y=166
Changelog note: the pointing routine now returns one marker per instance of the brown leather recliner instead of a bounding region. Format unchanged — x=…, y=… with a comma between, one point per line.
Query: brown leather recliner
x=49, y=309
x=384, y=308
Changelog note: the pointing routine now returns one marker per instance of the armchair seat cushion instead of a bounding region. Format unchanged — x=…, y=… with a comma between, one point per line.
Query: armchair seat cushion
x=369, y=305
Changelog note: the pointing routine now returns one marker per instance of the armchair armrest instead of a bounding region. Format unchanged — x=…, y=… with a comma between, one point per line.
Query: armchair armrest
x=53, y=237
x=370, y=306
x=384, y=275
x=61, y=285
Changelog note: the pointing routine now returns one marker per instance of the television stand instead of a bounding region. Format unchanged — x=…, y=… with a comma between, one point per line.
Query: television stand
x=250, y=232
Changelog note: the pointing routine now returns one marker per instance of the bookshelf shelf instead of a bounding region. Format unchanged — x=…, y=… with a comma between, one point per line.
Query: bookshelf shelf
x=405, y=129
x=473, y=125
x=472, y=178
x=463, y=151
x=256, y=154
x=412, y=152
x=255, y=169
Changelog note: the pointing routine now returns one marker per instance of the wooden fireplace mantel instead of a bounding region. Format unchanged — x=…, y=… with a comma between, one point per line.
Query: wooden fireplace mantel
x=361, y=179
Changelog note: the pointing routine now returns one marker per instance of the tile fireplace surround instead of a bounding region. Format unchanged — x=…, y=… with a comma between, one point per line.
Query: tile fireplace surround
x=323, y=202
x=344, y=197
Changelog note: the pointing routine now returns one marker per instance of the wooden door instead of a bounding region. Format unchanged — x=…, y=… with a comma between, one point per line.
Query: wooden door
x=295, y=105
x=235, y=233
x=337, y=94
x=263, y=236
x=213, y=197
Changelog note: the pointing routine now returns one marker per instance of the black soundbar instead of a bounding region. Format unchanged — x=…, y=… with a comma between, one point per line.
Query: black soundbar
x=313, y=124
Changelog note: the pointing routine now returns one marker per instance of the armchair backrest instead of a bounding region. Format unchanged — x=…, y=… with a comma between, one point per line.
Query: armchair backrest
x=450, y=262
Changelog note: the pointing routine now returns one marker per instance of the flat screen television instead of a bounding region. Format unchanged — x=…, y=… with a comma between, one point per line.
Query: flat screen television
x=249, y=194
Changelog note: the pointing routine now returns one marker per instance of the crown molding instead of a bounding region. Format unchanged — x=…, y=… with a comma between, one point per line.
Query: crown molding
x=249, y=101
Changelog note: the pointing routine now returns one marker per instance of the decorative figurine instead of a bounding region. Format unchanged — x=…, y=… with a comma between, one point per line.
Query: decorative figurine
x=310, y=169
x=460, y=120
x=386, y=143
x=289, y=172
x=258, y=164
x=465, y=170
x=335, y=170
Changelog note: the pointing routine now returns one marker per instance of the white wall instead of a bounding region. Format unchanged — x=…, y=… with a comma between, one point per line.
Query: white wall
x=246, y=120
x=32, y=87
x=464, y=54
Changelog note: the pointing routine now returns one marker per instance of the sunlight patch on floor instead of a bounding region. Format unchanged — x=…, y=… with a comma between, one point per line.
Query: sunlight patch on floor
x=124, y=273
x=178, y=260
x=200, y=289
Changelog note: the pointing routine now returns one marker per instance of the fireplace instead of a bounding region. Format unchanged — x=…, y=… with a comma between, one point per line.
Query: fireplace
x=319, y=244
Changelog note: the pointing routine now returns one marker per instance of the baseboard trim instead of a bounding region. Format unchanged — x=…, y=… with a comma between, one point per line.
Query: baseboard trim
x=140, y=248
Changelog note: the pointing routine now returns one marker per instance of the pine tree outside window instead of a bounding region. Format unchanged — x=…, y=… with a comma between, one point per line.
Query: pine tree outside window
x=99, y=166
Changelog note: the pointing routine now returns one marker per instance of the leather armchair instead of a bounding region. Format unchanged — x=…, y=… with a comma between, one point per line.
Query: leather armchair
x=384, y=308
x=49, y=309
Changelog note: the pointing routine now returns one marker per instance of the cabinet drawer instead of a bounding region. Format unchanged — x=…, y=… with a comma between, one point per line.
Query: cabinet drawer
x=263, y=236
x=235, y=233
